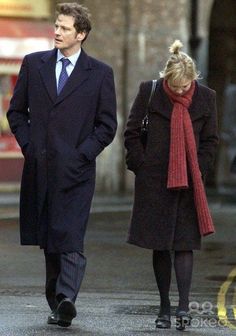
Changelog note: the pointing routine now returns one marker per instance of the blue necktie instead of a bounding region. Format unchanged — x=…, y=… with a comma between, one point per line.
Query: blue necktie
x=63, y=75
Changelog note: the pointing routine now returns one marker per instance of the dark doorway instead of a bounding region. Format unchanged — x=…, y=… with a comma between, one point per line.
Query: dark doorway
x=222, y=48
x=221, y=77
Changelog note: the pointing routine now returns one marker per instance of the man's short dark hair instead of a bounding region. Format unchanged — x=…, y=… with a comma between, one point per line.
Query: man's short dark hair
x=79, y=13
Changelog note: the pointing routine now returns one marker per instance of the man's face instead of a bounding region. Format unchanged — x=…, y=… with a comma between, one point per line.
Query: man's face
x=66, y=37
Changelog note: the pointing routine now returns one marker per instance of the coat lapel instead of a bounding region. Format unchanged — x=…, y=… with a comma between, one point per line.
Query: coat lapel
x=47, y=72
x=78, y=76
x=161, y=103
x=199, y=107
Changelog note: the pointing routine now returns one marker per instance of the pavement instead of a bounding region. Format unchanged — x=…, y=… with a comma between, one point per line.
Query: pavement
x=118, y=294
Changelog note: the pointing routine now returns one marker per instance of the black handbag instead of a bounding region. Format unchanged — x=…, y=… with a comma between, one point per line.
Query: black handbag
x=145, y=121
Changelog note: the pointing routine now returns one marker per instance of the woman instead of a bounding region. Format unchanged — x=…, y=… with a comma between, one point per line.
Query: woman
x=170, y=211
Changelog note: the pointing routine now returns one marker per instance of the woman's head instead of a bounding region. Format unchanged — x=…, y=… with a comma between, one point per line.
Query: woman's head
x=180, y=70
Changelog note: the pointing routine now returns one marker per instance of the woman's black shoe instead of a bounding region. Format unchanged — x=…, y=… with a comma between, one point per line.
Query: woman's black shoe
x=163, y=321
x=183, y=319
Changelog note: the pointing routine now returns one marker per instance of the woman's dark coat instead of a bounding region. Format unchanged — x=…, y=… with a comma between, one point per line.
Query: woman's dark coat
x=61, y=137
x=165, y=219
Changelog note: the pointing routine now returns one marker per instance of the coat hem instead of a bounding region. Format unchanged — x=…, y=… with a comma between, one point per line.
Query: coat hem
x=197, y=246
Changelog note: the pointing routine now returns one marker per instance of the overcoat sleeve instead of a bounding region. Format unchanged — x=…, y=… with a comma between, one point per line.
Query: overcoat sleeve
x=105, y=121
x=133, y=145
x=209, y=138
x=18, y=113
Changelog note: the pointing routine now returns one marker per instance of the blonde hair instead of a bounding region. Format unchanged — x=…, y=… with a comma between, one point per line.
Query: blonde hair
x=179, y=65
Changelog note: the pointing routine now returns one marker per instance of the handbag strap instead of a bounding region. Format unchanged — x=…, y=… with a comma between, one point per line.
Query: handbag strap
x=154, y=85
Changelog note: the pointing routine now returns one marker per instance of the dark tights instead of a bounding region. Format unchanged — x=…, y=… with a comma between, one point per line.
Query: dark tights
x=183, y=264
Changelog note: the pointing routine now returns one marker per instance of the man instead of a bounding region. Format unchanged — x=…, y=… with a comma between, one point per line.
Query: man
x=63, y=114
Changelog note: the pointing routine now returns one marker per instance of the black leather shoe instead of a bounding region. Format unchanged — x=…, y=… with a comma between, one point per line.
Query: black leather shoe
x=183, y=319
x=52, y=318
x=163, y=321
x=66, y=311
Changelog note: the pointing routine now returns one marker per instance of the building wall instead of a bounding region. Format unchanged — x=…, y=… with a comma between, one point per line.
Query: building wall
x=204, y=7
x=132, y=36
x=154, y=26
x=106, y=43
x=24, y=28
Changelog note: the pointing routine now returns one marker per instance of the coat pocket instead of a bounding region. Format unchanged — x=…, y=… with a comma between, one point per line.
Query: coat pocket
x=75, y=172
x=134, y=161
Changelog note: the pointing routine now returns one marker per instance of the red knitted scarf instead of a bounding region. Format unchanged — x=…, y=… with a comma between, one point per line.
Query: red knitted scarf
x=182, y=151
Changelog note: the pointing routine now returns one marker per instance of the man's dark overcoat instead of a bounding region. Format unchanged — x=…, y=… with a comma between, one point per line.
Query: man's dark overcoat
x=164, y=219
x=60, y=137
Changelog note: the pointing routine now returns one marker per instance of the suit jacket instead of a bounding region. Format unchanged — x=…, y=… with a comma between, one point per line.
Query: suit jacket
x=61, y=136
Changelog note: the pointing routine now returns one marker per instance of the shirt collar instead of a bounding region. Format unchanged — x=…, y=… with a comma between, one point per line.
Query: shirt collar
x=73, y=58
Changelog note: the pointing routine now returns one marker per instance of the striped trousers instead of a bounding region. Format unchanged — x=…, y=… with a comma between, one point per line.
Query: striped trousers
x=64, y=275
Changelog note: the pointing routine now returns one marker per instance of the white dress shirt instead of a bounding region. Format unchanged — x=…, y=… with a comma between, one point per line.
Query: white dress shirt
x=73, y=59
